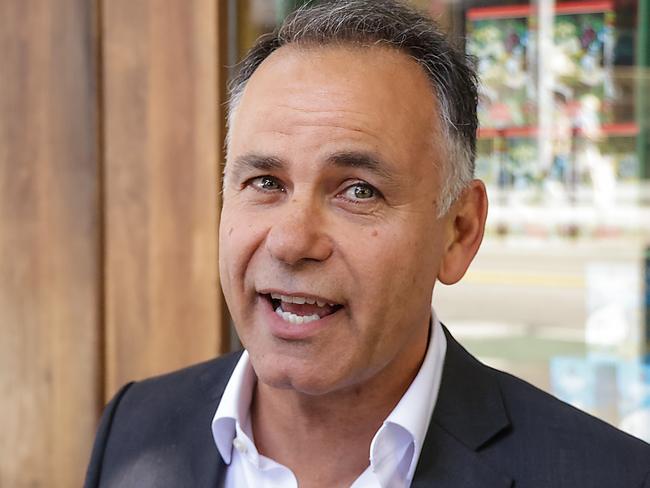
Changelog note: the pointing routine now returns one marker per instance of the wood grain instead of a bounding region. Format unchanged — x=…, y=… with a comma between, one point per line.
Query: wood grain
x=49, y=250
x=163, y=148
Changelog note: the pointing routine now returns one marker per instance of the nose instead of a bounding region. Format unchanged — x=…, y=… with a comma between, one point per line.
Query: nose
x=298, y=234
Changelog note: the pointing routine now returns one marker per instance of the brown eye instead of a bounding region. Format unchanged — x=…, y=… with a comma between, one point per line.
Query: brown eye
x=266, y=183
x=359, y=191
x=363, y=192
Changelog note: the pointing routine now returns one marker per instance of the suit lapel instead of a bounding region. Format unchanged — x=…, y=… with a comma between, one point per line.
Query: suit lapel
x=469, y=414
x=446, y=462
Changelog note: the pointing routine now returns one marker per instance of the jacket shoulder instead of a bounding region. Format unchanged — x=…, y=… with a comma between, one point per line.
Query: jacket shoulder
x=173, y=400
x=562, y=441
x=156, y=432
x=201, y=379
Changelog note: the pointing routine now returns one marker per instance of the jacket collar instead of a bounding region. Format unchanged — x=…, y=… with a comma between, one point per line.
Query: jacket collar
x=469, y=413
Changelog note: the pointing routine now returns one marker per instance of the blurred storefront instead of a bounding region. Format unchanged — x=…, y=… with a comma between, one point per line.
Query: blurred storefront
x=560, y=290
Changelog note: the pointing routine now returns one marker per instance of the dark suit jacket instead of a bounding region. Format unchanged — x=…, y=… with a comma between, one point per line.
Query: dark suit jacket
x=488, y=430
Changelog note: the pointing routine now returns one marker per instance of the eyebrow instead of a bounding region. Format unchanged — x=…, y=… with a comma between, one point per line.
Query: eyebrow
x=360, y=160
x=342, y=159
x=257, y=161
x=249, y=162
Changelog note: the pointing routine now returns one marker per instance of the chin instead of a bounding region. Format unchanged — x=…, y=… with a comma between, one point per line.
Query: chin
x=293, y=374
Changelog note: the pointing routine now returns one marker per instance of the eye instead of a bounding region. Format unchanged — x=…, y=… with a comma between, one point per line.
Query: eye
x=266, y=184
x=360, y=191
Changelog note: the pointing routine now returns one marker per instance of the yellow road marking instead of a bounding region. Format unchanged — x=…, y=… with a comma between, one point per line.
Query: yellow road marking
x=554, y=280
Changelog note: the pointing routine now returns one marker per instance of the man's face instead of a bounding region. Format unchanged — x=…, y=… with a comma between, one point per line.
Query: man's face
x=330, y=195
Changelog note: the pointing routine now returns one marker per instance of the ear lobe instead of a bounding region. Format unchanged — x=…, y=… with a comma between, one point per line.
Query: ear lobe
x=468, y=225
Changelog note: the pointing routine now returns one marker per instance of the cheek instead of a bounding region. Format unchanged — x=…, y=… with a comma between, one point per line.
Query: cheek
x=378, y=260
x=226, y=231
x=225, y=260
x=394, y=266
x=239, y=238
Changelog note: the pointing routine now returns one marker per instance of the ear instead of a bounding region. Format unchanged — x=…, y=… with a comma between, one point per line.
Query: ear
x=466, y=225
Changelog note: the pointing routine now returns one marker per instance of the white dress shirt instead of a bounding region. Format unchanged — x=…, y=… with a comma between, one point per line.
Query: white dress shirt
x=394, y=451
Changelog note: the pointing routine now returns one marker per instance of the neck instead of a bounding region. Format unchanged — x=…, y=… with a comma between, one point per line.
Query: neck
x=325, y=439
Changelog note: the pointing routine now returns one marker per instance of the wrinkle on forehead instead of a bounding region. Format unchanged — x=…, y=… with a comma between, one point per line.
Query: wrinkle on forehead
x=319, y=97
x=289, y=120
x=339, y=70
x=296, y=130
x=304, y=127
x=329, y=105
x=300, y=91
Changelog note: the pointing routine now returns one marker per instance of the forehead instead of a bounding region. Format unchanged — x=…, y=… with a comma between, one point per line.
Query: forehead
x=373, y=96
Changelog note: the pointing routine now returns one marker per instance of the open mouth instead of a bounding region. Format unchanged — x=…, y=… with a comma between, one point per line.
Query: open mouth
x=301, y=309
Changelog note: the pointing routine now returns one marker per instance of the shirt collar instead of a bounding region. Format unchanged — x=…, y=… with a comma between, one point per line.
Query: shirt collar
x=409, y=421
x=233, y=411
x=403, y=431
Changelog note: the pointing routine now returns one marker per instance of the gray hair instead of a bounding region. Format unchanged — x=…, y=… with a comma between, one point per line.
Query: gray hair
x=389, y=23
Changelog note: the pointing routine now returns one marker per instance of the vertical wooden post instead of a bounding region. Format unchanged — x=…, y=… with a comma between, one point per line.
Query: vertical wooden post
x=163, y=150
x=111, y=129
x=49, y=242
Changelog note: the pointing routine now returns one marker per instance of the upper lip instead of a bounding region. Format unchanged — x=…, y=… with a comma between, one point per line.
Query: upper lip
x=269, y=291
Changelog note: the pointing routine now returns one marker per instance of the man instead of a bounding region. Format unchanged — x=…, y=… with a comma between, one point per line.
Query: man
x=348, y=194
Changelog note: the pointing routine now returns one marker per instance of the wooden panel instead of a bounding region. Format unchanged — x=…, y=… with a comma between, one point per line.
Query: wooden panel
x=49, y=248
x=162, y=140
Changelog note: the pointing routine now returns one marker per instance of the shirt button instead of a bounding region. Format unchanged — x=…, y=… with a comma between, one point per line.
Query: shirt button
x=239, y=445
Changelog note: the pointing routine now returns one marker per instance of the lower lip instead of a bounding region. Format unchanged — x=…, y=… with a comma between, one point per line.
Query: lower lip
x=285, y=330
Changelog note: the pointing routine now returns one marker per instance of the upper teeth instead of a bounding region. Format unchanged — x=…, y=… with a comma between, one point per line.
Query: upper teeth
x=299, y=300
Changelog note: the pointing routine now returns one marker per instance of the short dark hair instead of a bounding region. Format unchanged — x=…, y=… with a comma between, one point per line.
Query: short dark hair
x=394, y=24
